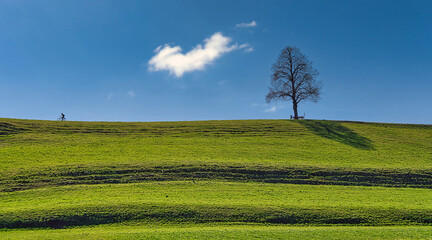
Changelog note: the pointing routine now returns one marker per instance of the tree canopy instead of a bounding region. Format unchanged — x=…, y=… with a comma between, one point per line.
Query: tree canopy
x=294, y=78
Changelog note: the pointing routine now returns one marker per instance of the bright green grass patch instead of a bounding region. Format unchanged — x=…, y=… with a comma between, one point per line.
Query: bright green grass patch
x=218, y=193
x=215, y=202
x=222, y=231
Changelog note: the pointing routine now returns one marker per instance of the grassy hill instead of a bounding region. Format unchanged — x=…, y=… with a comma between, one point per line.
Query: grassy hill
x=278, y=172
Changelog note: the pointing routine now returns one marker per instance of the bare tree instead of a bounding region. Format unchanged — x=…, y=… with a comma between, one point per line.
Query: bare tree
x=294, y=78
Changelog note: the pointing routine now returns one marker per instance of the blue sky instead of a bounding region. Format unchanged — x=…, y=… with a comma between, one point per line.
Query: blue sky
x=104, y=60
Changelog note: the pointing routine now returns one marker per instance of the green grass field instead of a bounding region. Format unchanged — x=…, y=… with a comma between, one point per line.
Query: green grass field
x=221, y=231
x=241, y=179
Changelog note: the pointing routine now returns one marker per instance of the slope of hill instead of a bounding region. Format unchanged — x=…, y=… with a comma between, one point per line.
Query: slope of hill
x=58, y=174
x=36, y=153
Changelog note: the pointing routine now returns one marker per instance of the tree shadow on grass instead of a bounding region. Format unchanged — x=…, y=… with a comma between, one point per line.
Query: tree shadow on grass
x=335, y=131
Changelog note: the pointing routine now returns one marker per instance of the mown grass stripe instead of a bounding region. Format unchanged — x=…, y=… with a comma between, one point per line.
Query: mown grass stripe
x=215, y=202
x=134, y=174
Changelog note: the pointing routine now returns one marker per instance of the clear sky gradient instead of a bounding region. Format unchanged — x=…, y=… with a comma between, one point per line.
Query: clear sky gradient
x=201, y=60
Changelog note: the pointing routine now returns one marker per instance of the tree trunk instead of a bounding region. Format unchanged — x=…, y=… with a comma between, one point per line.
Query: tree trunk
x=295, y=110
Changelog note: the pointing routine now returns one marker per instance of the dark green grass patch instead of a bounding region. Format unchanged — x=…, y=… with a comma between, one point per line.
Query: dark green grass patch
x=136, y=174
x=337, y=132
x=85, y=216
x=8, y=129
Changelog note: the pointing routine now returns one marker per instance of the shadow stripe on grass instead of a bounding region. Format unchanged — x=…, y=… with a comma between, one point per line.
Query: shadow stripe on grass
x=134, y=174
x=61, y=218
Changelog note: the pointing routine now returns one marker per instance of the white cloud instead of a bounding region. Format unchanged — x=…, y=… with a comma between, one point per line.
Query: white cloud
x=247, y=25
x=110, y=95
x=246, y=47
x=173, y=60
x=267, y=107
x=272, y=109
x=131, y=94
x=249, y=49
